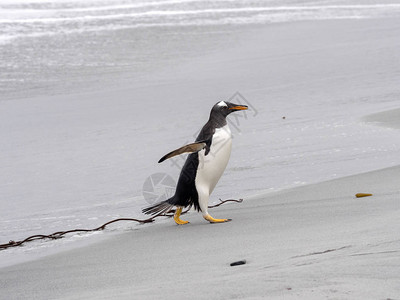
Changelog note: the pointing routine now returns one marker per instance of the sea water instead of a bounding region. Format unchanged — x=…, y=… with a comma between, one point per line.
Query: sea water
x=76, y=154
x=58, y=47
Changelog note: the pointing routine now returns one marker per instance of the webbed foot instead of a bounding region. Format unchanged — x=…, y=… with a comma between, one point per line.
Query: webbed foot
x=213, y=220
x=177, y=215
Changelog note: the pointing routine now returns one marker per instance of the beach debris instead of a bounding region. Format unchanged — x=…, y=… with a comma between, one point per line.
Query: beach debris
x=238, y=263
x=361, y=195
x=61, y=234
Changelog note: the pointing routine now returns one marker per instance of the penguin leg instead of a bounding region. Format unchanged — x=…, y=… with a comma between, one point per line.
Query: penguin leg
x=203, y=201
x=177, y=215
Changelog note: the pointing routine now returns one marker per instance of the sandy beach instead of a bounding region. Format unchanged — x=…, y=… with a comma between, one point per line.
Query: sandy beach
x=323, y=126
x=312, y=242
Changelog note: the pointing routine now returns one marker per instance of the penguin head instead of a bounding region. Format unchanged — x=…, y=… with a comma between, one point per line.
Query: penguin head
x=223, y=108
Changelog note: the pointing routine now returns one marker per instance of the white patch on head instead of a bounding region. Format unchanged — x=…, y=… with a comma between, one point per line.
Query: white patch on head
x=222, y=103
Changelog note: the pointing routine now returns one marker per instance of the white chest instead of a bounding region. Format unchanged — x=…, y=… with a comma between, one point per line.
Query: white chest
x=212, y=166
x=221, y=142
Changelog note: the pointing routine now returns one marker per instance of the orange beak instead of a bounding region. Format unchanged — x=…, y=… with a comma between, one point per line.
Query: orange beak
x=239, y=107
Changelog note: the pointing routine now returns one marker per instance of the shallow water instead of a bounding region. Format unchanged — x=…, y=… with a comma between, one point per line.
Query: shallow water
x=60, y=47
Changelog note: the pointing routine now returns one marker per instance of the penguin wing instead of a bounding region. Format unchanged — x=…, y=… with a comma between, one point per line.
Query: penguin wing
x=190, y=148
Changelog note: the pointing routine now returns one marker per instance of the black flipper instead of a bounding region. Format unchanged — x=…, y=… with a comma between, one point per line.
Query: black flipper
x=190, y=148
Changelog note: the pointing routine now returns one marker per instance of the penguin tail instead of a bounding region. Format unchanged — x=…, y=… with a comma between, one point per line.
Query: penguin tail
x=158, y=209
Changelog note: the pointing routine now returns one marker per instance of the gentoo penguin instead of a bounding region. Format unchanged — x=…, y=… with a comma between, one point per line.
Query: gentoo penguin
x=204, y=166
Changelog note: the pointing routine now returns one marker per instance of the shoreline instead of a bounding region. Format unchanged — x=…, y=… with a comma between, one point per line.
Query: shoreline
x=387, y=118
